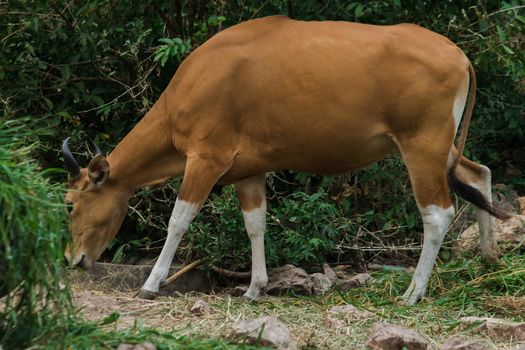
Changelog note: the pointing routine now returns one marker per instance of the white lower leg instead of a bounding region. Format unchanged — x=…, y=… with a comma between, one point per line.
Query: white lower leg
x=488, y=243
x=255, y=222
x=435, y=222
x=181, y=217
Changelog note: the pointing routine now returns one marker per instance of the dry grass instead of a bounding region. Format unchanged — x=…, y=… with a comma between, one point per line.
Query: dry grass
x=436, y=317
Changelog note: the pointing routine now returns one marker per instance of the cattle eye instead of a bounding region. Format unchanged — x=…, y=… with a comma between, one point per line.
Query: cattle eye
x=69, y=207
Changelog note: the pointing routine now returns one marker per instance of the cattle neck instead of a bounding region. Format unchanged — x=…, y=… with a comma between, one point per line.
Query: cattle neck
x=146, y=155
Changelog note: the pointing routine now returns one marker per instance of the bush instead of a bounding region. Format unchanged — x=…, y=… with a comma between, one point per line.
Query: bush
x=31, y=242
x=95, y=67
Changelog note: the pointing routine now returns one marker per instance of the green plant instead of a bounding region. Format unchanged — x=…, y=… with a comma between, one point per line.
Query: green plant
x=32, y=233
x=305, y=229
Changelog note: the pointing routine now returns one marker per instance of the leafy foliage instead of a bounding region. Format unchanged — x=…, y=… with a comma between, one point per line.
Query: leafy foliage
x=95, y=67
x=31, y=235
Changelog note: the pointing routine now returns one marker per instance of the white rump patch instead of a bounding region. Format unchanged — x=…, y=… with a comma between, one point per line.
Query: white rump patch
x=459, y=103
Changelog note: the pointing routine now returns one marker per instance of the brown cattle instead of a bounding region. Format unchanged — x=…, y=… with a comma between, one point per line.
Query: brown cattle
x=273, y=94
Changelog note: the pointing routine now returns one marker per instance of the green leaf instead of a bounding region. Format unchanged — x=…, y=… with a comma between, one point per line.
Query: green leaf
x=48, y=102
x=65, y=115
x=30, y=49
x=65, y=72
x=501, y=34
x=110, y=319
x=97, y=100
x=508, y=50
x=163, y=60
x=166, y=41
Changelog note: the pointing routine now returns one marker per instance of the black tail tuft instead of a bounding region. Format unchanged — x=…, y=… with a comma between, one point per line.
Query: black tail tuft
x=474, y=196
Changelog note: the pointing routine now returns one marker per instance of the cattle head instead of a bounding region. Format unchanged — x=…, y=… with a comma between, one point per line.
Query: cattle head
x=96, y=207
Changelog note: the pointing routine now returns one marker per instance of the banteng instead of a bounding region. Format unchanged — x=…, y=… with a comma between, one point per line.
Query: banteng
x=273, y=94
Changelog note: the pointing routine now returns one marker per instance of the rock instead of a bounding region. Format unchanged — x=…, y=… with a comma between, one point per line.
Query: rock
x=144, y=346
x=386, y=336
x=329, y=272
x=509, y=235
x=505, y=198
x=320, y=283
x=521, y=202
x=334, y=323
x=354, y=281
x=239, y=290
x=459, y=343
x=342, y=271
x=289, y=278
x=496, y=327
x=267, y=331
x=200, y=308
x=349, y=310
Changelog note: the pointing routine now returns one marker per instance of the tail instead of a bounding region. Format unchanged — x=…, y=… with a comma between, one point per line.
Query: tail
x=465, y=191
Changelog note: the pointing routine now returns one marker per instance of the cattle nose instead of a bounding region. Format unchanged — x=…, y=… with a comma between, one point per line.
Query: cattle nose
x=80, y=263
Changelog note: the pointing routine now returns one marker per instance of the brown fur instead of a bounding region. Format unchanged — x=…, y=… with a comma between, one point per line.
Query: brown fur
x=274, y=93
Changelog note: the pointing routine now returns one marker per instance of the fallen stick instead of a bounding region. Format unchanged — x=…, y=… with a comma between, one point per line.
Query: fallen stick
x=181, y=272
x=390, y=268
x=230, y=273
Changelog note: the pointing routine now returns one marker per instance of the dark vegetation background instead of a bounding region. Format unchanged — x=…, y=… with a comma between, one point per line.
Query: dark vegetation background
x=91, y=69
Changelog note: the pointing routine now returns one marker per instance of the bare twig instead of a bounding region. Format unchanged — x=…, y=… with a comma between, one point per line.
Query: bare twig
x=230, y=273
x=181, y=272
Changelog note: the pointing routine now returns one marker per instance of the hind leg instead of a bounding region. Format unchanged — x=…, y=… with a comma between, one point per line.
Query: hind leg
x=427, y=169
x=252, y=197
x=478, y=176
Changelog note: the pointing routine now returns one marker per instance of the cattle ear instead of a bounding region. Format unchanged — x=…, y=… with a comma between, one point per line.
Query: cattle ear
x=98, y=170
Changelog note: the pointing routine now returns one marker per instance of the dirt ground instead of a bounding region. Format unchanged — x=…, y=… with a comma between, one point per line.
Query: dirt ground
x=307, y=318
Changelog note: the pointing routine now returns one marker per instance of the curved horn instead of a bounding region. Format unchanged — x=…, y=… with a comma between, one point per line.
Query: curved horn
x=71, y=164
x=97, y=150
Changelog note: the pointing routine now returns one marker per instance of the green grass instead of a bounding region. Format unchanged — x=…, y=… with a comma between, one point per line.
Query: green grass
x=87, y=335
x=32, y=234
x=457, y=289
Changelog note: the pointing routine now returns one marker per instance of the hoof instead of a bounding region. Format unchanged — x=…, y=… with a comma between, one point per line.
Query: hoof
x=146, y=294
x=410, y=300
x=411, y=297
x=251, y=298
x=493, y=257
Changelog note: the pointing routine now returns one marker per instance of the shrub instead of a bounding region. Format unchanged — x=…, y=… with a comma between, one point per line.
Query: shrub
x=31, y=242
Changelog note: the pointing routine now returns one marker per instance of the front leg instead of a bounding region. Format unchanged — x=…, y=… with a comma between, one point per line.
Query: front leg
x=199, y=177
x=181, y=217
x=252, y=197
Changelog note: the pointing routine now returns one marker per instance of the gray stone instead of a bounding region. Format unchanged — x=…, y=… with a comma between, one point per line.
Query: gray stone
x=496, y=327
x=320, y=283
x=509, y=235
x=200, y=308
x=144, y=346
x=386, y=336
x=289, y=278
x=354, y=281
x=350, y=310
x=239, y=290
x=329, y=272
x=505, y=199
x=521, y=203
x=266, y=331
x=334, y=323
x=460, y=343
